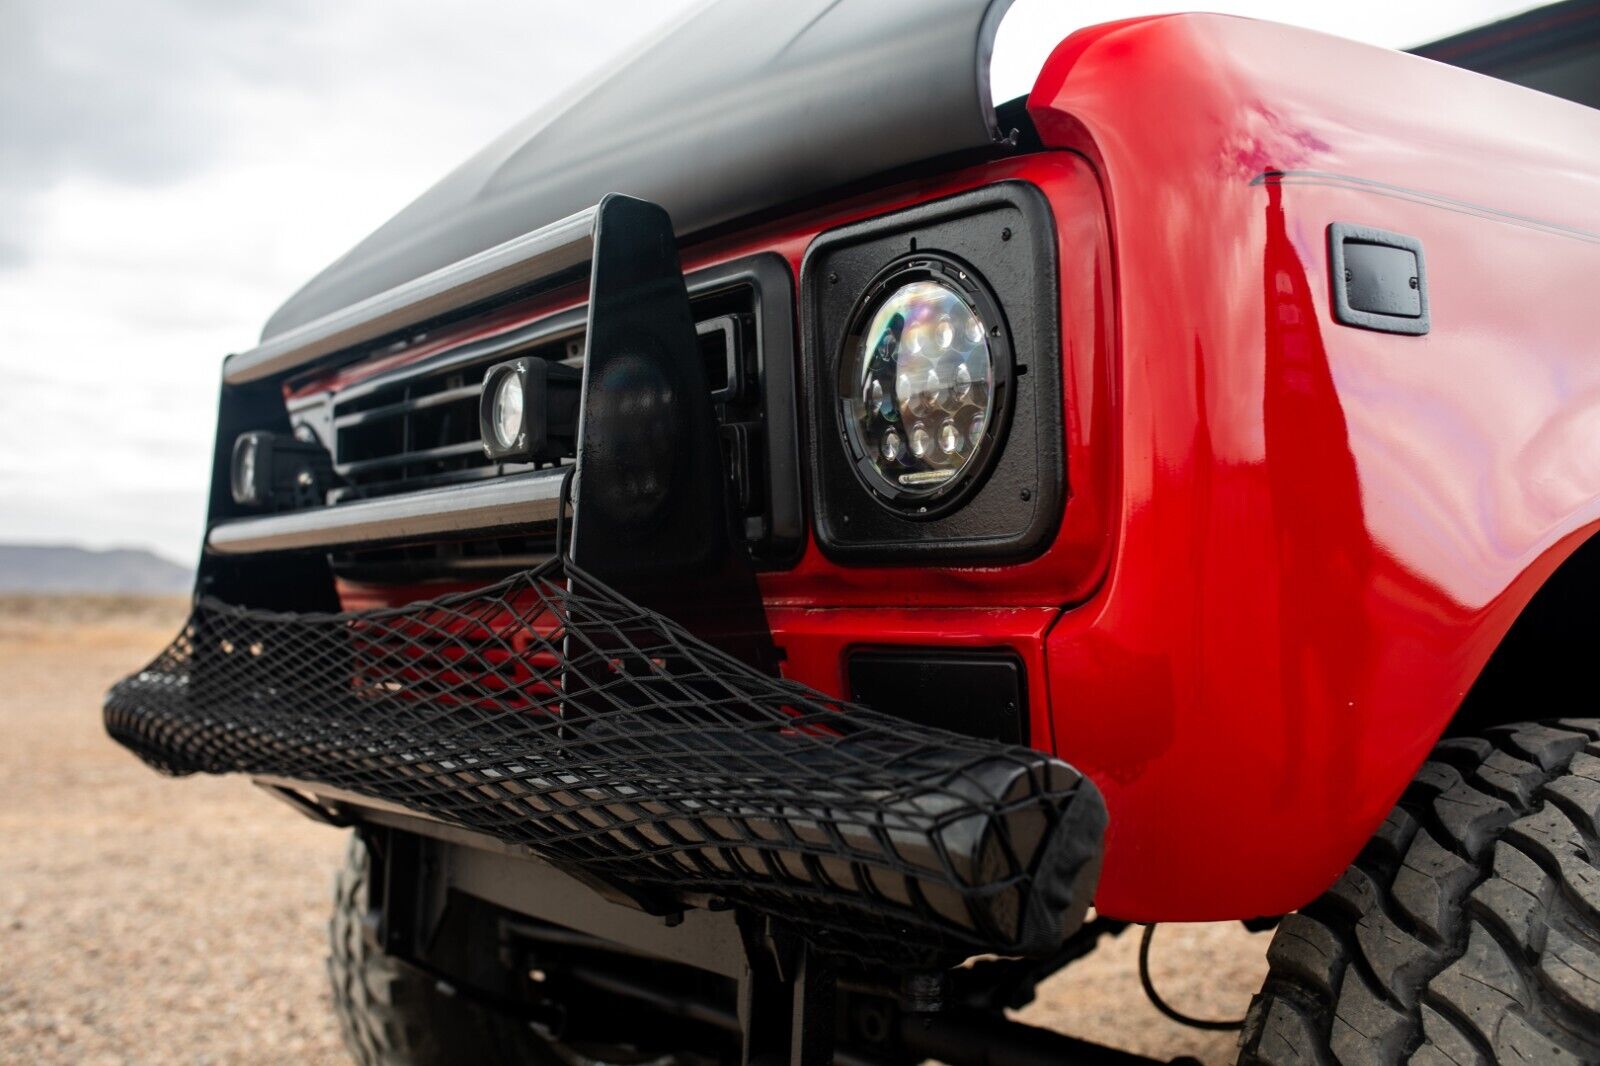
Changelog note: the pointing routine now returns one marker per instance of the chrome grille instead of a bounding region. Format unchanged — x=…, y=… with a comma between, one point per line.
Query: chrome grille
x=418, y=427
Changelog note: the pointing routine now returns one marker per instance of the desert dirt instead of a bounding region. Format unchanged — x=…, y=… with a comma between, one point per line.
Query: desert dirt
x=148, y=920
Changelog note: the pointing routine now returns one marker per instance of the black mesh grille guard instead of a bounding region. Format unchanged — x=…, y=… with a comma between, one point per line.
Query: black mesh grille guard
x=549, y=711
x=553, y=711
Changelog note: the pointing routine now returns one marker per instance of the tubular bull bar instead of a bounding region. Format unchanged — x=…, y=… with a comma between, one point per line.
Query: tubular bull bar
x=562, y=714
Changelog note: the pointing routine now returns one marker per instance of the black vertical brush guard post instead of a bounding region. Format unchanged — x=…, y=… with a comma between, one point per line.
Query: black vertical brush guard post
x=651, y=514
x=649, y=509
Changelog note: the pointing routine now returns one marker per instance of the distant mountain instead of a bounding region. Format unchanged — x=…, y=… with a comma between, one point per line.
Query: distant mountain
x=59, y=568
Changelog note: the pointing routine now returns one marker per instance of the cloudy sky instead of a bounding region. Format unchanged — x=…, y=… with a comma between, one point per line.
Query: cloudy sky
x=170, y=170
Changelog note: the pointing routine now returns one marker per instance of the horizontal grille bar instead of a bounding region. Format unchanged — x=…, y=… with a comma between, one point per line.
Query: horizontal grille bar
x=444, y=451
x=405, y=407
x=494, y=503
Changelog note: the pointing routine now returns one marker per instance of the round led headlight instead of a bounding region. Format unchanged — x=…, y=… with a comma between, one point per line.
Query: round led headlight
x=924, y=380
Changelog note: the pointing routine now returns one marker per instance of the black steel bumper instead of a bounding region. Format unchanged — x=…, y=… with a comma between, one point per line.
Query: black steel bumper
x=549, y=711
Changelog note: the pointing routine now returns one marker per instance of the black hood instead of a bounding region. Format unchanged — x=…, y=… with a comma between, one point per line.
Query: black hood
x=740, y=106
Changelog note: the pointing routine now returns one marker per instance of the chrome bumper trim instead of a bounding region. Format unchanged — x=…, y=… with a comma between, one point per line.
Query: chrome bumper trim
x=560, y=246
x=481, y=507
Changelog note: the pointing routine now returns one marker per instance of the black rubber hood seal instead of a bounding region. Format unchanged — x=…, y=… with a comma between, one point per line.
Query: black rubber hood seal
x=740, y=106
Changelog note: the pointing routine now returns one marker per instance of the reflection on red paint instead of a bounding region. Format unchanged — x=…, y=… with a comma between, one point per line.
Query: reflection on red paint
x=1324, y=530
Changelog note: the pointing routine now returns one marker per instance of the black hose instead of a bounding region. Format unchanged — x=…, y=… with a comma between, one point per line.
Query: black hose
x=562, y=503
x=1217, y=1025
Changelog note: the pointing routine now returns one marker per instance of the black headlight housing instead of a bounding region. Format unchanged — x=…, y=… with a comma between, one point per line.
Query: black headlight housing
x=990, y=257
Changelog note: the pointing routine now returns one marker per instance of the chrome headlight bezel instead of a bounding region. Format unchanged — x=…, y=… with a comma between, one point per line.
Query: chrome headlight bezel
x=903, y=492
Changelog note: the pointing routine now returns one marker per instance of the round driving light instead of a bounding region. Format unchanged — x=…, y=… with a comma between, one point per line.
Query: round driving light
x=245, y=487
x=925, y=375
x=248, y=467
x=507, y=415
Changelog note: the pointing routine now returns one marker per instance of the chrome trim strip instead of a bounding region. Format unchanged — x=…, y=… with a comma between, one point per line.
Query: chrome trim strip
x=562, y=245
x=482, y=506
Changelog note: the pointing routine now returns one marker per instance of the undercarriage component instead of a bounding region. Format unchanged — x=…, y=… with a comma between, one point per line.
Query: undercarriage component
x=393, y=1014
x=522, y=938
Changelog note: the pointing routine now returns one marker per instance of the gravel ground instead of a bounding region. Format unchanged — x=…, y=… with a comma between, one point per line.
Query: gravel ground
x=149, y=921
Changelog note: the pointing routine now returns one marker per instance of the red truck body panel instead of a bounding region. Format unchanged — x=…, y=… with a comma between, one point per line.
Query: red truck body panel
x=1289, y=545
x=1324, y=531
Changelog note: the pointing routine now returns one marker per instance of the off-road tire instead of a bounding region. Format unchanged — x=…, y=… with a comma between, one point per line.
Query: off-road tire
x=392, y=1014
x=1468, y=930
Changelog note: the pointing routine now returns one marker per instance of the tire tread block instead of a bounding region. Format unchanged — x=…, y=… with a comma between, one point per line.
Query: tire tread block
x=1367, y=1030
x=1430, y=885
x=1279, y=1032
x=1571, y=970
x=1306, y=949
x=1471, y=818
x=1445, y=1045
x=1482, y=986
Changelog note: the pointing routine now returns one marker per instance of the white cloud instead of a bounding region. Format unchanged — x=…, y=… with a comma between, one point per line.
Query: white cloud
x=171, y=173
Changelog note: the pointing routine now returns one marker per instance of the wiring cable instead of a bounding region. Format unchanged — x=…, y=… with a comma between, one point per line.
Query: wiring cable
x=562, y=504
x=1213, y=1025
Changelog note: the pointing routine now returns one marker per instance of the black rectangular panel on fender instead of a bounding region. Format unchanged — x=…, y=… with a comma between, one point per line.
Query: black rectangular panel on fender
x=998, y=245
x=979, y=693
